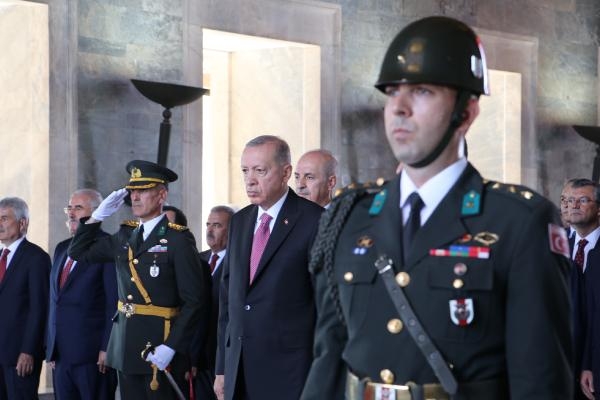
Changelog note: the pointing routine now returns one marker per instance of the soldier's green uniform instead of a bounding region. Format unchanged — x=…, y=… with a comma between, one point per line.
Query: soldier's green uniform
x=518, y=339
x=477, y=304
x=162, y=291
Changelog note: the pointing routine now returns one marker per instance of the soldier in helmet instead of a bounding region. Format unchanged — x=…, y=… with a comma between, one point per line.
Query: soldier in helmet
x=439, y=284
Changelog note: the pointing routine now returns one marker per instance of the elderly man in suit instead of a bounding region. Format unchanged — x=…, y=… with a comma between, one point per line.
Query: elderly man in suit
x=583, y=212
x=203, y=356
x=315, y=176
x=267, y=309
x=24, y=270
x=83, y=300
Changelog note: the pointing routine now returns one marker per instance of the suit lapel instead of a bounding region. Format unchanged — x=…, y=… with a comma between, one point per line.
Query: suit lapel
x=245, y=245
x=14, y=262
x=385, y=227
x=286, y=219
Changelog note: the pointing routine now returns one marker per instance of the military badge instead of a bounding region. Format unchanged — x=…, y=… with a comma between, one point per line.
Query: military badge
x=462, y=311
x=154, y=270
x=362, y=244
x=162, y=231
x=157, y=249
x=486, y=238
x=559, y=243
x=163, y=241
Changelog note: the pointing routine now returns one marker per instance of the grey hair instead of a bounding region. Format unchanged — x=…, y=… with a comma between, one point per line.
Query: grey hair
x=222, y=209
x=94, y=196
x=18, y=206
x=282, y=149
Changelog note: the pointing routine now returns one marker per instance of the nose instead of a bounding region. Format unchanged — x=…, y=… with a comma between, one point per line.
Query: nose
x=301, y=182
x=399, y=101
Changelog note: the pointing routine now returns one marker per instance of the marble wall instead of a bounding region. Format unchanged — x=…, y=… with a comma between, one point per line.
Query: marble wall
x=116, y=40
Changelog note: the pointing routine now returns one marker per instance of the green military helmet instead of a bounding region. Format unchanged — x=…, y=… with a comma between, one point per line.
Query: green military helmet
x=436, y=50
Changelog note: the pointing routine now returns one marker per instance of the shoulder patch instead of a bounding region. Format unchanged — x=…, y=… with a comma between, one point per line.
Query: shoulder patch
x=130, y=222
x=177, y=227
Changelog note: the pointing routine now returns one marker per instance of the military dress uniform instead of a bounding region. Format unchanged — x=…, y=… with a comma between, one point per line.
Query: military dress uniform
x=163, y=292
x=486, y=277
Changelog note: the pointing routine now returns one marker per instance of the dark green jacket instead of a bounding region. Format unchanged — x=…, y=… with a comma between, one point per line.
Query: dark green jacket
x=520, y=329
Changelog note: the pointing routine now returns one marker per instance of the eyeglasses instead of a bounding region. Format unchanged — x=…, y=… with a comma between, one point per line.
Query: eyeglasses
x=572, y=201
x=76, y=208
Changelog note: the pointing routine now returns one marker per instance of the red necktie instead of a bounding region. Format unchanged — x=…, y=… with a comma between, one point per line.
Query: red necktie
x=580, y=255
x=65, y=272
x=261, y=237
x=213, y=262
x=3, y=260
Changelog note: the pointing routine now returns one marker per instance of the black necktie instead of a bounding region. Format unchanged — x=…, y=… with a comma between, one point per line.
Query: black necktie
x=139, y=239
x=413, y=224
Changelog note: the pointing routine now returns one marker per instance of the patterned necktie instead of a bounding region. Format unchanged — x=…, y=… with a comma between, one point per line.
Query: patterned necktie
x=3, y=260
x=213, y=262
x=65, y=272
x=580, y=254
x=261, y=237
x=413, y=224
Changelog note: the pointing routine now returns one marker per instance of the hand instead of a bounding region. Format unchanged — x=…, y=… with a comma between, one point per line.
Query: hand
x=587, y=384
x=219, y=387
x=161, y=357
x=102, y=362
x=24, y=364
x=110, y=205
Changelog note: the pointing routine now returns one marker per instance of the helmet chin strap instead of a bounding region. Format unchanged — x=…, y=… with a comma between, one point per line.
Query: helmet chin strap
x=462, y=99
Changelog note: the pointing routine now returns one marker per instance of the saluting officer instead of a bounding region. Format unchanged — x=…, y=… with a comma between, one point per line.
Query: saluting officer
x=439, y=284
x=162, y=290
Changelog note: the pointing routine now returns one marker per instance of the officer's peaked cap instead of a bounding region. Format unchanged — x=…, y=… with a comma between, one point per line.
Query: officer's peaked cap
x=146, y=174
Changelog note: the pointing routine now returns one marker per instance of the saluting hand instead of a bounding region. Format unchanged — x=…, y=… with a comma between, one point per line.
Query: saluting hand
x=24, y=364
x=109, y=205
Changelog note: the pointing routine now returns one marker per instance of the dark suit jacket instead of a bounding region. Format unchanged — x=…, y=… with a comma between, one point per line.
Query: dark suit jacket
x=520, y=331
x=591, y=339
x=269, y=325
x=80, y=314
x=24, y=304
x=169, y=250
x=579, y=305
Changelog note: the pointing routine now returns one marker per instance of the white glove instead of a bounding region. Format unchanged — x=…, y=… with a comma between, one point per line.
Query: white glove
x=110, y=205
x=161, y=357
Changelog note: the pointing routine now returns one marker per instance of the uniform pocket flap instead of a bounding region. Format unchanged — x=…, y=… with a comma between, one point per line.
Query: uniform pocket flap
x=356, y=274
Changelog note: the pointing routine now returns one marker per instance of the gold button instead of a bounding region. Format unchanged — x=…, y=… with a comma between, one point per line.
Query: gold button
x=394, y=325
x=403, y=279
x=458, y=283
x=380, y=181
x=348, y=276
x=132, y=279
x=129, y=297
x=387, y=376
x=135, y=261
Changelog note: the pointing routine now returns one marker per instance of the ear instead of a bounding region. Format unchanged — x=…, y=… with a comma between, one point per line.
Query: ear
x=331, y=181
x=471, y=112
x=287, y=172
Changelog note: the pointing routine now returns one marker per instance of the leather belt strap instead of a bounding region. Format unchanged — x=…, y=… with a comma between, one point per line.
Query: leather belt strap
x=411, y=322
x=130, y=309
x=364, y=389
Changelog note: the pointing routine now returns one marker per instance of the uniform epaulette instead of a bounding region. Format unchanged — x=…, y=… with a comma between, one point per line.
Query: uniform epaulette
x=516, y=191
x=367, y=187
x=130, y=222
x=177, y=227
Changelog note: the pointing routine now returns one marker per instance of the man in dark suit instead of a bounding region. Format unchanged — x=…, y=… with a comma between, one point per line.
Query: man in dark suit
x=161, y=285
x=203, y=357
x=315, y=176
x=267, y=310
x=583, y=212
x=83, y=300
x=439, y=284
x=24, y=270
